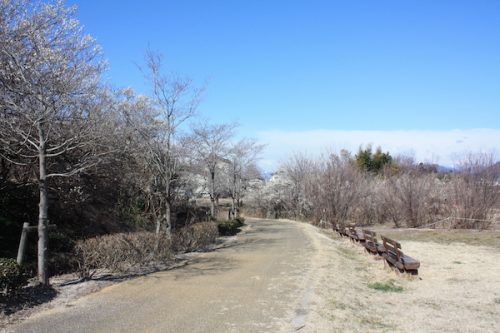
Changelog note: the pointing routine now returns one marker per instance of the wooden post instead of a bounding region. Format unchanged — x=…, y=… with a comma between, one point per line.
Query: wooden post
x=24, y=236
x=22, y=243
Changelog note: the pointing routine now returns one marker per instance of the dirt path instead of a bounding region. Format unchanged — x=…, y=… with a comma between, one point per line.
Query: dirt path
x=262, y=282
x=283, y=276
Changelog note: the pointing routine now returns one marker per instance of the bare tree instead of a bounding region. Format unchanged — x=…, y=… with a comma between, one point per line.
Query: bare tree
x=275, y=198
x=174, y=100
x=298, y=168
x=210, y=144
x=412, y=197
x=146, y=148
x=242, y=156
x=341, y=186
x=474, y=191
x=49, y=84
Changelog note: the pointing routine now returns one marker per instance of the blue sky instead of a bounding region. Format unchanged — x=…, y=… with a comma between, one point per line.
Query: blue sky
x=287, y=67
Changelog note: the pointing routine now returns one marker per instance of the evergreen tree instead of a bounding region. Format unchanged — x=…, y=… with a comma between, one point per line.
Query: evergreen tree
x=366, y=160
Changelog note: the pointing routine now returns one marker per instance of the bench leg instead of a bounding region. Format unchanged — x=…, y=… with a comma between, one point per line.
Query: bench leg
x=390, y=266
x=412, y=272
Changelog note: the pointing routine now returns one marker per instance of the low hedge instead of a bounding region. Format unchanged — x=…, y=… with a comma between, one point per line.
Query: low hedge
x=120, y=252
x=230, y=227
x=123, y=251
x=194, y=237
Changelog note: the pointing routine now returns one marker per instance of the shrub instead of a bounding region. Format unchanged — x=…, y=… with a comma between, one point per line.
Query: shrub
x=474, y=192
x=61, y=259
x=230, y=227
x=414, y=198
x=240, y=221
x=120, y=252
x=194, y=237
x=12, y=276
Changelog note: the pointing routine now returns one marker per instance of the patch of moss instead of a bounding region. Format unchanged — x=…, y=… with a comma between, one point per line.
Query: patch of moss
x=388, y=286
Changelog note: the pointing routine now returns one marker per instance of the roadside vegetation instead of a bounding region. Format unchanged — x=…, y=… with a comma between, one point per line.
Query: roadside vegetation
x=230, y=227
x=120, y=174
x=373, y=188
x=113, y=179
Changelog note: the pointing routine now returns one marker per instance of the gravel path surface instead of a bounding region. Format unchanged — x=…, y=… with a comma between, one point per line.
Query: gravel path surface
x=284, y=276
x=261, y=281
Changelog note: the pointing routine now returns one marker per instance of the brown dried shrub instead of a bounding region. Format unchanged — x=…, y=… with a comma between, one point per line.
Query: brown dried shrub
x=474, y=192
x=194, y=237
x=120, y=252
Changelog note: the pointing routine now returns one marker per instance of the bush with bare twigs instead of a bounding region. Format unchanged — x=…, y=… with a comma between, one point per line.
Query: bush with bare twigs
x=120, y=252
x=194, y=237
x=123, y=251
x=332, y=189
x=413, y=199
x=474, y=193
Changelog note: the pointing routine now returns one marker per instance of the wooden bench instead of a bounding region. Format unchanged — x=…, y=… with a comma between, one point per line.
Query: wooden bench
x=354, y=234
x=371, y=244
x=395, y=257
x=340, y=229
x=336, y=228
x=350, y=232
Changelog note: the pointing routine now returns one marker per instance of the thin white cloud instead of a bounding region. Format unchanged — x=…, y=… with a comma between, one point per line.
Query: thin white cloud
x=437, y=146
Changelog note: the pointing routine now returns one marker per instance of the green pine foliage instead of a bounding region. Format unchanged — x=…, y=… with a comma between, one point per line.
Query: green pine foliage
x=367, y=160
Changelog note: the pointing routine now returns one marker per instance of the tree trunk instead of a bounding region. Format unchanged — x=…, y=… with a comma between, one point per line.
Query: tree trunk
x=212, y=194
x=43, y=208
x=158, y=224
x=216, y=205
x=233, y=207
x=212, y=206
x=168, y=216
x=170, y=172
x=237, y=198
x=233, y=197
x=157, y=215
x=238, y=205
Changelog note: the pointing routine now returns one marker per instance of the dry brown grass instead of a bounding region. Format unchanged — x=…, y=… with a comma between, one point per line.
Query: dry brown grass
x=458, y=288
x=466, y=236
